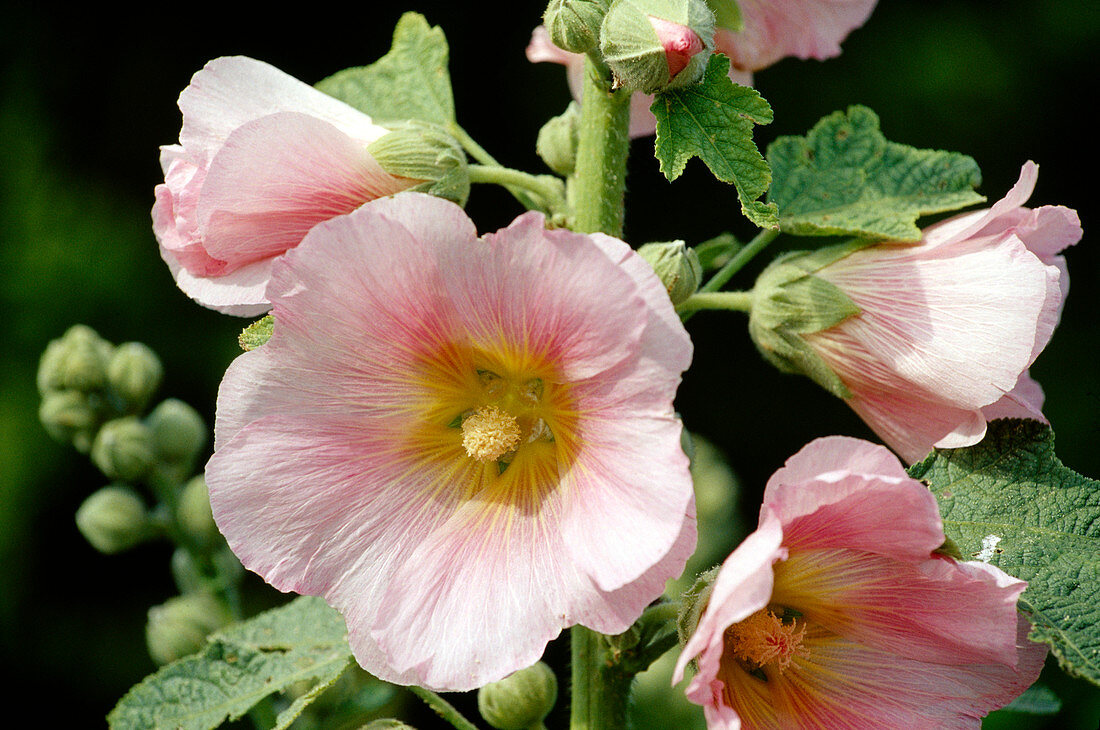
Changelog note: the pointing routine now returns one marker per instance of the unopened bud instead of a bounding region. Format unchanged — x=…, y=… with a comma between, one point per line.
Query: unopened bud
x=426, y=152
x=75, y=361
x=178, y=431
x=789, y=300
x=656, y=45
x=113, y=519
x=676, y=265
x=68, y=415
x=520, y=700
x=574, y=25
x=557, y=140
x=134, y=373
x=193, y=512
x=123, y=449
x=387, y=723
x=179, y=626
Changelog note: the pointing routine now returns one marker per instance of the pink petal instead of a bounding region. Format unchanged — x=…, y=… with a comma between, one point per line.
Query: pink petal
x=278, y=176
x=921, y=610
x=1024, y=401
x=842, y=492
x=742, y=587
x=775, y=29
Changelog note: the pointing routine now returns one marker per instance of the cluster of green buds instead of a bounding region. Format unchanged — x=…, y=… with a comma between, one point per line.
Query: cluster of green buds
x=649, y=45
x=95, y=396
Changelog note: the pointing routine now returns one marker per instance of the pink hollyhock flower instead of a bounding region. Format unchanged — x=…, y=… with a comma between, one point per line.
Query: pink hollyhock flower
x=948, y=327
x=464, y=444
x=837, y=612
x=262, y=158
x=772, y=31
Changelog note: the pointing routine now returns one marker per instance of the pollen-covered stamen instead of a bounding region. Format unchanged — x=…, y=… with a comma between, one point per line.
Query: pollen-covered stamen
x=762, y=639
x=489, y=433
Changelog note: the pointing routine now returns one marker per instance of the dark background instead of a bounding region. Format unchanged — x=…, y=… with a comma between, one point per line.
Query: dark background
x=87, y=96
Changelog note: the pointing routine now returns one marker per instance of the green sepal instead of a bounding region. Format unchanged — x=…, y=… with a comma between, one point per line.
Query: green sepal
x=1009, y=501
x=713, y=120
x=632, y=50
x=790, y=301
x=410, y=82
x=845, y=178
x=424, y=151
x=257, y=333
x=727, y=15
x=574, y=25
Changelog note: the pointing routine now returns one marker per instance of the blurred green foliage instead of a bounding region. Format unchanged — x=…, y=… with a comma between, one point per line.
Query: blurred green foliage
x=87, y=95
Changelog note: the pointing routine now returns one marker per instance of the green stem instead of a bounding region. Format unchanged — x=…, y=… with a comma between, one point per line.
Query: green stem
x=479, y=153
x=443, y=708
x=738, y=301
x=548, y=188
x=742, y=257
x=601, y=691
x=602, y=148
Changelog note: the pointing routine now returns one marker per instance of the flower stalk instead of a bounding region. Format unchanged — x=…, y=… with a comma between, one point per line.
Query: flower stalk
x=599, y=182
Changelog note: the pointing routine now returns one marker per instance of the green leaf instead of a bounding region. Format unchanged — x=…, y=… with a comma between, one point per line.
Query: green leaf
x=1009, y=501
x=845, y=178
x=1036, y=700
x=409, y=82
x=303, y=641
x=713, y=120
x=257, y=333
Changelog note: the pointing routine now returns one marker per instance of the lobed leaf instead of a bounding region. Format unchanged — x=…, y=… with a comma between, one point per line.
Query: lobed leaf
x=303, y=641
x=1009, y=501
x=713, y=120
x=845, y=178
x=410, y=82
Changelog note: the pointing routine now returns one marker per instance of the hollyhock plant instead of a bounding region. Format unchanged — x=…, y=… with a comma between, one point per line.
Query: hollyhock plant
x=262, y=158
x=464, y=444
x=839, y=612
x=771, y=31
x=943, y=331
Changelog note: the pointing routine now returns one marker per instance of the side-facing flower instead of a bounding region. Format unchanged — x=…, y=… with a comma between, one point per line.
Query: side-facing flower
x=931, y=340
x=770, y=32
x=262, y=158
x=837, y=612
x=464, y=444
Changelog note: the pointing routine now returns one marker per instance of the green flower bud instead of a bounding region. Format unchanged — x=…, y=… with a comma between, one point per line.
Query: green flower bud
x=76, y=361
x=387, y=723
x=427, y=152
x=788, y=301
x=520, y=700
x=68, y=415
x=179, y=626
x=656, y=45
x=113, y=519
x=185, y=573
x=134, y=373
x=193, y=512
x=574, y=25
x=123, y=449
x=676, y=265
x=178, y=431
x=557, y=140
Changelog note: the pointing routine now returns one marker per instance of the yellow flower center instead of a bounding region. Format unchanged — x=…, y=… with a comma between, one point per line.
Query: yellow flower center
x=489, y=433
x=762, y=639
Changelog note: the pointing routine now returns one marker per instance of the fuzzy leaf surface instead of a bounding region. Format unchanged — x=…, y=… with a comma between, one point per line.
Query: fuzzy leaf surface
x=409, y=82
x=303, y=641
x=713, y=120
x=1009, y=501
x=846, y=178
